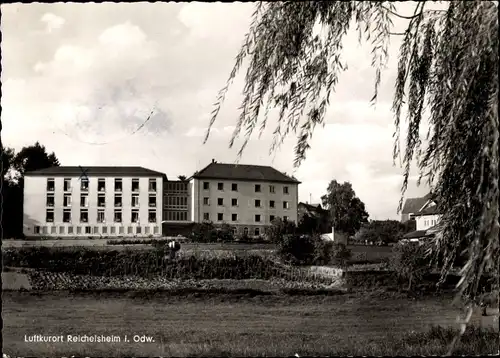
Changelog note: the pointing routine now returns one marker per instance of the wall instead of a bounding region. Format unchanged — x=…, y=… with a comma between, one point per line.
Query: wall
x=246, y=196
x=35, y=208
x=425, y=222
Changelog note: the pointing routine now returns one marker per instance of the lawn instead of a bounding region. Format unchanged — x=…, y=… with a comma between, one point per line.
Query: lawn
x=224, y=324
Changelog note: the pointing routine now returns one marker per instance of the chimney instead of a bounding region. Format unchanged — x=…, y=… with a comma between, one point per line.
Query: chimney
x=213, y=160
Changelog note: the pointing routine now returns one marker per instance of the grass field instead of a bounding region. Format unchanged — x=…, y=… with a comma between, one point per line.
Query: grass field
x=224, y=325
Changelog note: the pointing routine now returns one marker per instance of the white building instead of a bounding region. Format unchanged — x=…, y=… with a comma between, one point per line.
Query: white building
x=247, y=197
x=93, y=201
x=427, y=219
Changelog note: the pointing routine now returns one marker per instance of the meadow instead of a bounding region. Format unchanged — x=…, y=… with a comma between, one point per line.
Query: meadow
x=236, y=324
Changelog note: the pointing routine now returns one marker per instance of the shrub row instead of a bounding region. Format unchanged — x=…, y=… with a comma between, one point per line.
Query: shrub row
x=150, y=263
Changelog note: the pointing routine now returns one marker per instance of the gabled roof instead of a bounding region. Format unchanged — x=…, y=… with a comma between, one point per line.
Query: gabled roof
x=96, y=171
x=243, y=172
x=311, y=207
x=413, y=205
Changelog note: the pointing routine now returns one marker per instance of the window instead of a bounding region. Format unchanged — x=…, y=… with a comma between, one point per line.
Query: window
x=152, y=185
x=220, y=186
x=135, y=184
x=135, y=200
x=118, y=200
x=220, y=201
x=51, y=184
x=152, y=216
x=285, y=218
x=67, y=184
x=112, y=230
x=257, y=231
x=88, y=230
x=53, y=230
x=49, y=216
x=152, y=201
x=257, y=188
x=156, y=229
x=118, y=216
x=220, y=216
x=44, y=230
x=121, y=230
x=271, y=189
x=135, y=216
x=271, y=218
x=100, y=216
x=206, y=216
x=78, y=229
x=234, y=217
x=257, y=218
x=234, y=202
x=234, y=187
x=138, y=230
x=130, y=230
x=84, y=184
x=101, y=184
x=96, y=230
x=285, y=190
x=271, y=204
x=206, y=185
x=84, y=200
x=101, y=200
x=50, y=200
x=104, y=229
x=235, y=231
x=67, y=200
x=147, y=230
x=118, y=185
x=245, y=231
x=37, y=230
x=67, y=215
x=206, y=201
x=285, y=205
x=70, y=229
x=84, y=216
x=257, y=203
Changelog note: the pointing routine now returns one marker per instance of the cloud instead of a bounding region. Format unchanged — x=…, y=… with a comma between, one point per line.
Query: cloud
x=53, y=22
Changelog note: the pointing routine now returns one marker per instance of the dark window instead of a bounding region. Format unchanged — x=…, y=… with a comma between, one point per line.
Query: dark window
x=271, y=204
x=285, y=190
x=101, y=184
x=234, y=202
x=220, y=216
x=118, y=216
x=234, y=217
x=206, y=216
x=234, y=187
x=257, y=203
x=49, y=216
x=118, y=185
x=257, y=218
x=84, y=216
x=152, y=216
x=220, y=201
x=135, y=184
x=220, y=186
x=206, y=185
x=50, y=184
x=257, y=188
x=67, y=184
x=67, y=216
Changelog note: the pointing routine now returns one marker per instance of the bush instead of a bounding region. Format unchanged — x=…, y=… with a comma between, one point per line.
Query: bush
x=207, y=232
x=411, y=263
x=279, y=228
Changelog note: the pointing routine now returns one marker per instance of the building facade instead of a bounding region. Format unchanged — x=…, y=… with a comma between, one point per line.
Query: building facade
x=177, y=208
x=247, y=197
x=93, y=201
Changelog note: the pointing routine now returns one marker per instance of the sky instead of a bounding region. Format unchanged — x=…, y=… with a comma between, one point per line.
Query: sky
x=82, y=78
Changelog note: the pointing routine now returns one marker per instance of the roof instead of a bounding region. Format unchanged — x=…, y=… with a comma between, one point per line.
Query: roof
x=432, y=210
x=96, y=171
x=311, y=207
x=243, y=172
x=413, y=205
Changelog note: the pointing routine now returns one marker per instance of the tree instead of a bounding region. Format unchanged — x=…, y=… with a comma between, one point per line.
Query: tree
x=34, y=157
x=347, y=211
x=447, y=73
x=280, y=228
x=29, y=158
x=182, y=177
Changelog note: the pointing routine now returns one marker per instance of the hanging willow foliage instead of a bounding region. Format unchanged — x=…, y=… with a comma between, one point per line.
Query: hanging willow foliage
x=447, y=66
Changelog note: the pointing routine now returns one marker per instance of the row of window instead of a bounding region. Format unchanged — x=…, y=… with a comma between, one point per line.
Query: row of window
x=176, y=187
x=234, y=217
x=94, y=230
x=430, y=222
x=256, y=231
x=101, y=216
x=101, y=200
x=176, y=215
x=234, y=187
x=257, y=202
x=175, y=201
x=101, y=184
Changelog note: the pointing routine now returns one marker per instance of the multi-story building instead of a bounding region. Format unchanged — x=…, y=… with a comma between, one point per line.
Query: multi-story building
x=93, y=201
x=247, y=197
